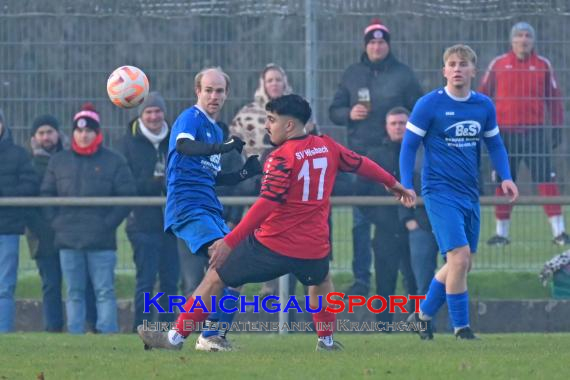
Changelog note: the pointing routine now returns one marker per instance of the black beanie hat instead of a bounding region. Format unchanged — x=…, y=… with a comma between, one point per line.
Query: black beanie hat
x=376, y=30
x=44, y=120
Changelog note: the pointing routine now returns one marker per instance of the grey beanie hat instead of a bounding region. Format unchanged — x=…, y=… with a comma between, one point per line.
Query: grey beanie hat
x=153, y=99
x=519, y=26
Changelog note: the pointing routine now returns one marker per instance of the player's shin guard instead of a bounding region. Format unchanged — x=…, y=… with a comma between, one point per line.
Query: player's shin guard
x=458, y=307
x=435, y=298
x=325, y=322
x=189, y=320
x=223, y=319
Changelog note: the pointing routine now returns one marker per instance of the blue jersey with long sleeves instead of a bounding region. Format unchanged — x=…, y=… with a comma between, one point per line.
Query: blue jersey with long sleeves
x=190, y=179
x=451, y=129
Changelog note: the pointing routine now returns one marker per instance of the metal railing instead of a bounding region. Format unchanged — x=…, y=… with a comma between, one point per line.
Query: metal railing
x=531, y=238
x=248, y=201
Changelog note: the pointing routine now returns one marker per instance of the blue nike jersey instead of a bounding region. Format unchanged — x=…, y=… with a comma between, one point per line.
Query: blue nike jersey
x=452, y=130
x=190, y=179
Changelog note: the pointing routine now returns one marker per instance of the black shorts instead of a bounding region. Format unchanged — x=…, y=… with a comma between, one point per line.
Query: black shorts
x=252, y=262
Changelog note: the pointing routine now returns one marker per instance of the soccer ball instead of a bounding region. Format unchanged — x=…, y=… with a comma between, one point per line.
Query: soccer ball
x=127, y=86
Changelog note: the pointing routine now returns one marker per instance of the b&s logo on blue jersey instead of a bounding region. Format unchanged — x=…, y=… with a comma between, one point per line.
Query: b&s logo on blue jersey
x=466, y=128
x=464, y=134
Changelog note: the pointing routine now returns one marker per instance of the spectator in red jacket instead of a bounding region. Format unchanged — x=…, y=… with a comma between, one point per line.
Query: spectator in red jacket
x=530, y=112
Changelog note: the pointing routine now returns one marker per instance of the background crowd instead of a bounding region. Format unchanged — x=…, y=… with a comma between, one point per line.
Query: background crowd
x=76, y=246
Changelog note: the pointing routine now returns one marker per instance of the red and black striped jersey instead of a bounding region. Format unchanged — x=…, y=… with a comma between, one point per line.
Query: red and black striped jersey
x=300, y=175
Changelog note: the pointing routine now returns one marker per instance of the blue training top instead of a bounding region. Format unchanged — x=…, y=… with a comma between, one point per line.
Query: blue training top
x=190, y=179
x=451, y=129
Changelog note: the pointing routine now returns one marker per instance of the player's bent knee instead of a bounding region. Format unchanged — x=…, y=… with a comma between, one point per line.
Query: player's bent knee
x=460, y=258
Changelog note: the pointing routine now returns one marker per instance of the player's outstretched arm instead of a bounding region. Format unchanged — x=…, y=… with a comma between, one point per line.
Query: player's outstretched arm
x=372, y=171
x=410, y=146
x=251, y=168
x=365, y=167
x=191, y=147
x=406, y=196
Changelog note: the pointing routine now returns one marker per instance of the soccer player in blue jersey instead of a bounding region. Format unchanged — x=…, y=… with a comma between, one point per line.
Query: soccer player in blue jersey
x=451, y=122
x=193, y=212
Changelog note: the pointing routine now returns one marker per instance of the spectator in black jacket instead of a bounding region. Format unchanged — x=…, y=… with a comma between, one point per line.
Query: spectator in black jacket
x=44, y=142
x=368, y=89
x=145, y=146
x=390, y=243
x=85, y=236
x=17, y=179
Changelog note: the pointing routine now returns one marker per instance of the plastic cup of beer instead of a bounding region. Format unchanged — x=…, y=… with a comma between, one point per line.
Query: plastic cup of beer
x=364, y=98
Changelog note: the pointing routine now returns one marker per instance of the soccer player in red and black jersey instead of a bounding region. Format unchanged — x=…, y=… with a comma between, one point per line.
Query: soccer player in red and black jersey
x=286, y=230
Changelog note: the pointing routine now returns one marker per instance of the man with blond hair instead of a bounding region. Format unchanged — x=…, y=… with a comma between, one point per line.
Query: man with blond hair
x=451, y=122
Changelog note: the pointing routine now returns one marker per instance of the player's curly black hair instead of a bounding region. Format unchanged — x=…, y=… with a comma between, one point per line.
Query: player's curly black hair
x=290, y=105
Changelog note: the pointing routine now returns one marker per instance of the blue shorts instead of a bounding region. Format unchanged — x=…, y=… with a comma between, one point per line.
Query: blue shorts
x=199, y=229
x=455, y=223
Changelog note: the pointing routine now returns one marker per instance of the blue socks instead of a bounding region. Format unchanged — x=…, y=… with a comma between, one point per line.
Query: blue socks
x=224, y=319
x=458, y=306
x=435, y=298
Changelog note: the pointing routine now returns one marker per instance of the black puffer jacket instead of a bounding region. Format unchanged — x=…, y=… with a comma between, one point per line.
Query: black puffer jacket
x=387, y=156
x=142, y=158
x=17, y=179
x=390, y=83
x=69, y=174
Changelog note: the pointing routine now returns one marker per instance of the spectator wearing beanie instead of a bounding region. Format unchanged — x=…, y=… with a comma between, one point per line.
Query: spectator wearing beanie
x=367, y=90
x=17, y=179
x=530, y=112
x=145, y=146
x=85, y=236
x=45, y=141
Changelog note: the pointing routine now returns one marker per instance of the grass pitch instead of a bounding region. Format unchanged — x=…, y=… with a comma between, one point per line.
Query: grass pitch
x=270, y=356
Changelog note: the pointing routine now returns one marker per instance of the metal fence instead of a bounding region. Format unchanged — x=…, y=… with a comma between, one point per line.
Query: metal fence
x=531, y=240
x=57, y=54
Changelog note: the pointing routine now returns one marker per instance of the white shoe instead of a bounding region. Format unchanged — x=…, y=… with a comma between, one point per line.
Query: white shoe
x=213, y=344
x=336, y=346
